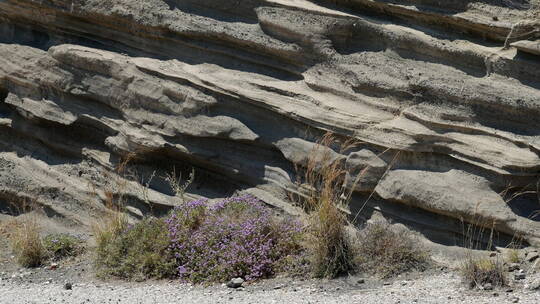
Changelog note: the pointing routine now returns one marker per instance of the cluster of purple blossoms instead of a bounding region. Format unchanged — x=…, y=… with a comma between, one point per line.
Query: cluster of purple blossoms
x=236, y=237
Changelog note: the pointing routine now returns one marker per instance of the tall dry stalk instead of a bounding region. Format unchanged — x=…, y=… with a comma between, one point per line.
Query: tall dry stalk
x=115, y=219
x=324, y=194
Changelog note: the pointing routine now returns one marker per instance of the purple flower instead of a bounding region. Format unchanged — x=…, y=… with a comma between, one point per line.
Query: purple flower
x=236, y=237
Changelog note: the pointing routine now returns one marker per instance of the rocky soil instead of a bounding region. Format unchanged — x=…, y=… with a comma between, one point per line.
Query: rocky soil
x=445, y=108
x=444, y=287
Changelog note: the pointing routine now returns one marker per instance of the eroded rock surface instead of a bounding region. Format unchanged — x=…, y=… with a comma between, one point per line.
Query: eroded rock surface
x=448, y=119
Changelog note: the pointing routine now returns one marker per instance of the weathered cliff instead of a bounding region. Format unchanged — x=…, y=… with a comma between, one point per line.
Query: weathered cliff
x=448, y=118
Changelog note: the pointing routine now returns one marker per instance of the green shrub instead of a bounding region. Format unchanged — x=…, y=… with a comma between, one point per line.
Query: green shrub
x=62, y=245
x=387, y=252
x=135, y=252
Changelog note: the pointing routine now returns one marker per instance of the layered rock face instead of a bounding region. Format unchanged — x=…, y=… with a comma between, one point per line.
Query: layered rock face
x=447, y=117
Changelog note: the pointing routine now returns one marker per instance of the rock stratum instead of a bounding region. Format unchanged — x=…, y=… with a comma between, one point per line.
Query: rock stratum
x=444, y=100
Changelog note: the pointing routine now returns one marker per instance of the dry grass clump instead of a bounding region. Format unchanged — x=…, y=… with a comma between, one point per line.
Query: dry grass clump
x=27, y=244
x=378, y=248
x=388, y=252
x=331, y=246
x=477, y=272
x=513, y=256
x=323, y=179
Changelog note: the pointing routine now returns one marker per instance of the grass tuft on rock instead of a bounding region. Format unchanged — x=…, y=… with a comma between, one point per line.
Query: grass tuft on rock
x=478, y=272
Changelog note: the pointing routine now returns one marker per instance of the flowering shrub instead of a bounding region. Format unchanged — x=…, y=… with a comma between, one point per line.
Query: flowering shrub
x=237, y=237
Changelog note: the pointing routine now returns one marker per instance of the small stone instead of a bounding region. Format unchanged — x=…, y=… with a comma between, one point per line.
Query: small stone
x=515, y=300
x=361, y=281
x=532, y=256
x=488, y=286
x=535, y=285
x=68, y=286
x=513, y=267
x=509, y=290
x=235, y=283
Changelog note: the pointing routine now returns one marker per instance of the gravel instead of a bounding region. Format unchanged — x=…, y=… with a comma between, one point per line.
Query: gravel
x=437, y=288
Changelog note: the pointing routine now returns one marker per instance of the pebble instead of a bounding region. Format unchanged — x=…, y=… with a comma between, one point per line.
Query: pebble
x=513, y=267
x=532, y=256
x=535, y=285
x=235, y=283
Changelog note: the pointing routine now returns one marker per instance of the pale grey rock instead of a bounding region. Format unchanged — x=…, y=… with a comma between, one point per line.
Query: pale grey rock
x=444, y=123
x=532, y=47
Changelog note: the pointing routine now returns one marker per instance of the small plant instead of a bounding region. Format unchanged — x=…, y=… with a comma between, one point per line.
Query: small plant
x=477, y=272
x=387, y=252
x=62, y=245
x=513, y=256
x=237, y=237
x=136, y=252
x=26, y=243
x=111, y=225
